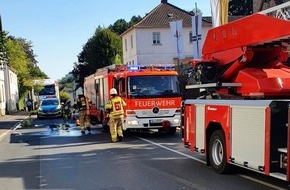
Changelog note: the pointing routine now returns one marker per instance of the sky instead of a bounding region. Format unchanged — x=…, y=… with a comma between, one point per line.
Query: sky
x=58, y=29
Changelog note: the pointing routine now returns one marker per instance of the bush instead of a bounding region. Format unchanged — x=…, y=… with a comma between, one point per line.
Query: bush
x=64, y=96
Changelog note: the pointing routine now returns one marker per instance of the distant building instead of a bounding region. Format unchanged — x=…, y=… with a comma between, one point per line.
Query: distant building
x=11, y=90
x=150, y=41
x=2, y=93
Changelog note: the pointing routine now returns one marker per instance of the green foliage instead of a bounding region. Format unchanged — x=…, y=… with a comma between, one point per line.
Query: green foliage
x=19, y=62
x=64, y=96
x=67, y=81
x=28, y=122
x=37, y=87
x=21, y=103
x=134, y=20
x=238, y=8
x=22, y=60
x=119, y=26
x=101, y=50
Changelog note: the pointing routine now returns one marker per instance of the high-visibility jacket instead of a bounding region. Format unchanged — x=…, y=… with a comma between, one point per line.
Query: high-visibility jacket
x=116, y=106
x=83, y=104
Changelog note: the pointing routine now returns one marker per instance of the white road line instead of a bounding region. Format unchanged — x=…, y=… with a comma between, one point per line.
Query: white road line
x=4, y=134
x=201, y=161
x=175, y=151
x=262, y=182
x=9, y=131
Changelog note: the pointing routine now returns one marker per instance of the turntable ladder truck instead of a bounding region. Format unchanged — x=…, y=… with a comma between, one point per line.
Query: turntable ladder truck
x=241, y=116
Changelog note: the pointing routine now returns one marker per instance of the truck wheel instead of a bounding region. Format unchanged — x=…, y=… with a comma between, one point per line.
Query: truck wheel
x=105, y=125
x=171, y=130
x=217, y=152
x=101, y=117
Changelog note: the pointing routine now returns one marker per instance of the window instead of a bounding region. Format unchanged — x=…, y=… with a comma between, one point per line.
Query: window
x=159, y=86
x=123, y=86
x=125, y=44
x=190, y=37
x=131, y=41
x=156, y=37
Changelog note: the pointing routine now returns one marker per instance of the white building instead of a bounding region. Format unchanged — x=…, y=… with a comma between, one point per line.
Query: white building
x=2, y=92
x=150, y=41
x=11, y=90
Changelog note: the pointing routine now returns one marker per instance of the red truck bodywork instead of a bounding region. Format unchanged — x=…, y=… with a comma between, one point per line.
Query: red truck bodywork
x=246, y=123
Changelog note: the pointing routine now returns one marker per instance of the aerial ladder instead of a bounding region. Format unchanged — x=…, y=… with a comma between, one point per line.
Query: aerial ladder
x=242, y=112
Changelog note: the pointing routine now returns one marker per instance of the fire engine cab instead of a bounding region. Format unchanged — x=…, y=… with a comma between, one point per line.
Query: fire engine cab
x=151, y=93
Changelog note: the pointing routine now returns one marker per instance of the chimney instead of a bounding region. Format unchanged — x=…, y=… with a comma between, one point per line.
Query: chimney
x=163, y=1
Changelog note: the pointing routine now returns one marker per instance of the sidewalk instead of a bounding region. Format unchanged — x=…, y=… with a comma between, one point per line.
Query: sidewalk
x=8, y=122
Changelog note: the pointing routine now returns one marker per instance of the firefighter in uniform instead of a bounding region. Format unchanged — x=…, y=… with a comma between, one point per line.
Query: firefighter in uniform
x=82, y=105
x=116, y=109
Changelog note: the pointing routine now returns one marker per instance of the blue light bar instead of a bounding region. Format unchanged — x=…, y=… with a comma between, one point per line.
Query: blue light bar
x=133, y=68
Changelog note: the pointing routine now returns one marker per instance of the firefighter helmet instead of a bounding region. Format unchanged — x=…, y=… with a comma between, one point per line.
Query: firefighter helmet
x=113, y=91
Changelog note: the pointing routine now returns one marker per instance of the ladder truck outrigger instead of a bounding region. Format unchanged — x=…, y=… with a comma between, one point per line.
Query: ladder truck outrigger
x=242, y=113
x=151, y=93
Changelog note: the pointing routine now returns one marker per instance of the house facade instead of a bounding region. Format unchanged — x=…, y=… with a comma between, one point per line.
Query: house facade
x=150, y=42
x=2, y=93
x=11, y=87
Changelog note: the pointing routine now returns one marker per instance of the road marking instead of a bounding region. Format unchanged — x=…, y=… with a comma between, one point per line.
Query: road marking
x=201, y=161
x=261, y=182
x=175, y=151
x=4, y=134
x=16, y=126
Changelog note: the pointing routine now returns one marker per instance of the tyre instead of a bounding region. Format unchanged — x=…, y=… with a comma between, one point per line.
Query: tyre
x=101, y=117
x=171, y=130
x=105, y=124
x=94, y=120
x=217, y=152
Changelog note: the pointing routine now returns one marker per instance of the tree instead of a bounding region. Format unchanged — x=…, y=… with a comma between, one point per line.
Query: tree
x=119, y=26
x=34, y=70
x=22, y=60
x=66, y=81
x=64, y=96
x=238, y=7
x=134, y=20
x=19, y=62
x=101, y=50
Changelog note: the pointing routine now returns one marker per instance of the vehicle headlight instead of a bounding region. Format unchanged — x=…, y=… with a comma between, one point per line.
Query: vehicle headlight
x=39, y=109
x=134, y=122
x=176, y=121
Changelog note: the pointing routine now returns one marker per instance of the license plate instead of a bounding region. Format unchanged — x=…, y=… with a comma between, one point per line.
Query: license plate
x=155, y=120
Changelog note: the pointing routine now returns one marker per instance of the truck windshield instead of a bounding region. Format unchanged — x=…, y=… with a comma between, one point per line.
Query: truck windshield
x=153, y=86
x=47, y=90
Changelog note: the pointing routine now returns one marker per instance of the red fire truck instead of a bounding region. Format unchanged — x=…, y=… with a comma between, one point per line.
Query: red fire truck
x=242, y=114
x=151, y=93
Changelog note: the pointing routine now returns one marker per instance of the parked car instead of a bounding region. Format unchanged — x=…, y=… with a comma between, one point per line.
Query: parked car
x=49, y=108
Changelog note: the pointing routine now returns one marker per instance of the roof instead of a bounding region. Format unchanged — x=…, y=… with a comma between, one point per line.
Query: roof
x=207, y=20
x=160, y=17
x=164, y=13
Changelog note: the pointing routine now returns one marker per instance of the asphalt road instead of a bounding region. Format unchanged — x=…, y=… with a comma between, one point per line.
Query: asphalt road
x=48, y=157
